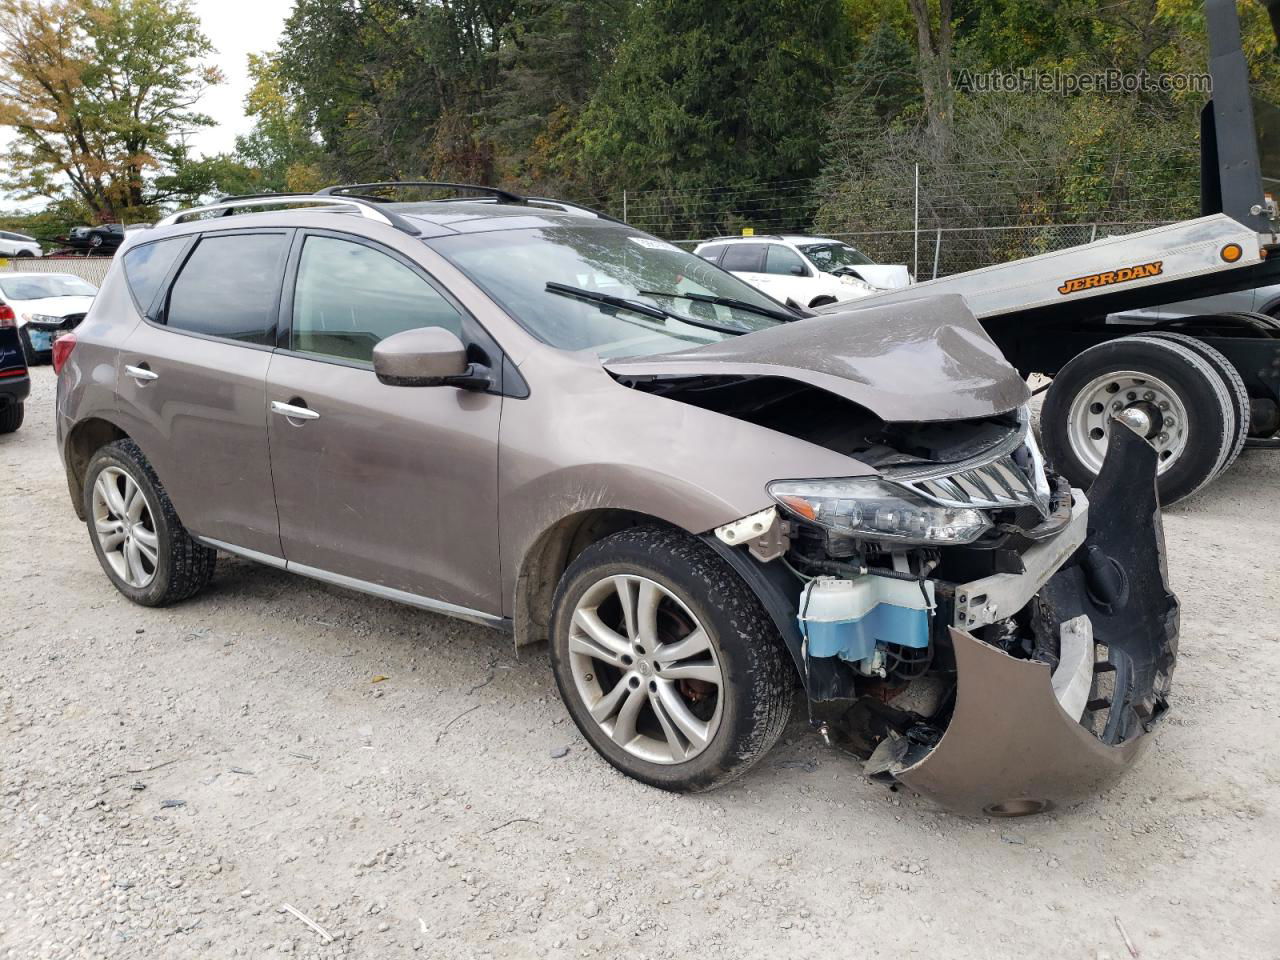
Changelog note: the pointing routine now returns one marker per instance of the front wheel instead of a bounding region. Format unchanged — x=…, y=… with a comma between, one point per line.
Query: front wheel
x=1164, y=390
x=667, y=661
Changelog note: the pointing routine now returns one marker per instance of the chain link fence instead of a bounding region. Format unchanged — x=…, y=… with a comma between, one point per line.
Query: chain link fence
x=936, y=218
x=93, y=269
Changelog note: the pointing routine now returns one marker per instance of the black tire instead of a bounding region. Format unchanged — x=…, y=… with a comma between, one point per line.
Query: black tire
x=23, y=254
x=1211, y=428
x=1236, y=389
x=758, y=688
x=183, y=566
x=11, y=417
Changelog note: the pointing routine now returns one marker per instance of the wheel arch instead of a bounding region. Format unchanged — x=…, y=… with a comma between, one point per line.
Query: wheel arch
x=84, y=440
x=550, y=554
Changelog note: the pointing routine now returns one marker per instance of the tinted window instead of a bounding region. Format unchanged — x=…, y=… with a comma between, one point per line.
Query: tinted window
x=145, y=268
x=228, y=287
x=712, y=253
x=783, y=260
x=746, y=257
x=350, y=296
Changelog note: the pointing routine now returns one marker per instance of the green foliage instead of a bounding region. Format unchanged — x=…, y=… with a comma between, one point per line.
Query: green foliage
x=100, y=94
x=709, y=96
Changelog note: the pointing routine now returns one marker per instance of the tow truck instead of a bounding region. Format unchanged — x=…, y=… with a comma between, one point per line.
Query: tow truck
x=1201, y=389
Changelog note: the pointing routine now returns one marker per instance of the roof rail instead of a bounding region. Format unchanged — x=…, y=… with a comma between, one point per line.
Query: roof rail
x=505, y=196
x=365, y=208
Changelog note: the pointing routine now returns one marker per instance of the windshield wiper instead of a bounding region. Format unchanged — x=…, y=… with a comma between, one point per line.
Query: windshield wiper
x=731, y=302
x=635, y=306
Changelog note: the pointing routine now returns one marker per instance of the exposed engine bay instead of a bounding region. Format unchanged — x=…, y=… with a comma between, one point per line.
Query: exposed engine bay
x=964, y=622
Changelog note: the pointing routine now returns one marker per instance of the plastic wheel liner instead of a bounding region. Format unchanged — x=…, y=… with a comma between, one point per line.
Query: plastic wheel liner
x=1010, y=748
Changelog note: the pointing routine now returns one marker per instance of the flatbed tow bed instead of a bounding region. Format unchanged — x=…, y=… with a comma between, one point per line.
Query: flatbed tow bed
x=1200, y=388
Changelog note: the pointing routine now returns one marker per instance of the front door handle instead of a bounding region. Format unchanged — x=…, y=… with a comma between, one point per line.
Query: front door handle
x=143, y=374
x=293, y=412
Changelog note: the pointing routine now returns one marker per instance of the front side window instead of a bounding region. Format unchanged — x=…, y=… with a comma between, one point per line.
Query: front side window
x=349, y=297
x=783, y=261
x=624, y=267
x=145, y=268
x=228, y=288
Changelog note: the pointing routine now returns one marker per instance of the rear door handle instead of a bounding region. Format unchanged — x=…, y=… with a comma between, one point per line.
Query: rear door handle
x=142, y=374
x=293, y=412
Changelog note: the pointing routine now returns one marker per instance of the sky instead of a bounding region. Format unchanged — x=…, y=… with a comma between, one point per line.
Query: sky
x=236, y=28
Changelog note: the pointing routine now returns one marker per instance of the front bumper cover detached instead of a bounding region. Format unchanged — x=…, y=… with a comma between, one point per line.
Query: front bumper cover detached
x=1010, y=747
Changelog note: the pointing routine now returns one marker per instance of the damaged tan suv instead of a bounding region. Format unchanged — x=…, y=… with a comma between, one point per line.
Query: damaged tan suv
x=528, y=415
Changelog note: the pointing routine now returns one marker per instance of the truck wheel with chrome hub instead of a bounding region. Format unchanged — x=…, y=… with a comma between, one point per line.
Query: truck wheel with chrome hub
x=142, y=546
x=1159, y=388
x=666, y=660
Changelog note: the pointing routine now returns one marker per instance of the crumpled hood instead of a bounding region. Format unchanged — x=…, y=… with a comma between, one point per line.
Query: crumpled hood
x=925, y=359
x=884, y=276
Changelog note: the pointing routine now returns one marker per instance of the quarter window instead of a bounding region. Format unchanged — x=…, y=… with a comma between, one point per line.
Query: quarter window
x=784, y=261
x=228, y=288
x=350, y=296
x=145, y=268
x=712, y=253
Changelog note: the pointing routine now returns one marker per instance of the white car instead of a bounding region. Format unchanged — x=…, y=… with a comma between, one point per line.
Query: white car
x=810, y=271
x=19, y=245
x=45, y=305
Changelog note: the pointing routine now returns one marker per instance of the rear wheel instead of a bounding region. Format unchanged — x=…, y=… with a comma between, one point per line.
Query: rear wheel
x=143, y=547
x=11, y=417
x=1164, y=390
x=666, y=660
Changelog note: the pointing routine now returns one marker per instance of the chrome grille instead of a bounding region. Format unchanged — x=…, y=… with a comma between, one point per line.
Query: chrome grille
x=998, y=483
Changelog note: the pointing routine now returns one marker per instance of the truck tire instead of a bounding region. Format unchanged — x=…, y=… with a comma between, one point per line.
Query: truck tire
x=667, y=661
x=1231, y=377
x=1168, y=390
x=11, y=417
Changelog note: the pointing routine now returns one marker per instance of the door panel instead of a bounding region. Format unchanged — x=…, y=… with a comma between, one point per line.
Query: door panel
x=397, y=486
x=192, y=380
x=202, y=424
x=392, y=485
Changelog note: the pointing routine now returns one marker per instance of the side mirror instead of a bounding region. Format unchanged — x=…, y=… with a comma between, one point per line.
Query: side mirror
x=425, y=357
x=799, y=271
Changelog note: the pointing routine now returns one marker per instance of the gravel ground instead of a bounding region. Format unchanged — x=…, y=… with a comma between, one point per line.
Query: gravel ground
x=171, y=778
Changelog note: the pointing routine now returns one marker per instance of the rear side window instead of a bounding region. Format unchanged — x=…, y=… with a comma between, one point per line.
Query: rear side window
x=228, y=288
x=712, y=253
x=784, y=261
x=145, y=268
x=744, y=258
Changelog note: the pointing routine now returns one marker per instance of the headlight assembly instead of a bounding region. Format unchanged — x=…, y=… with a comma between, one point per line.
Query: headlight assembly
x=874, y=509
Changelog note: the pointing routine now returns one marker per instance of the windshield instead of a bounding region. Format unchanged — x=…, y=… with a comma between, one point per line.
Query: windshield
x=32, y=287
x=829, y=257
x=515, y=267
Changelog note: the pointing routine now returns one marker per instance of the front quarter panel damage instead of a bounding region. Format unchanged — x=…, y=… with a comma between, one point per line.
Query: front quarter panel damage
x=1010, y=748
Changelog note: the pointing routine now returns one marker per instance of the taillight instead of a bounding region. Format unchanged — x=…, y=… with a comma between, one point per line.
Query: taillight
x=62, y=348
x=7, y=316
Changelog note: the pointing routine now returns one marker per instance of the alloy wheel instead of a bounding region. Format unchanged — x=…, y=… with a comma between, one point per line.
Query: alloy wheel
x=125, y=528
x=646, y=669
